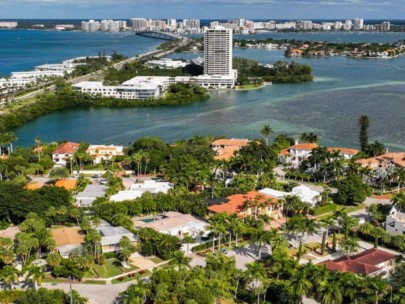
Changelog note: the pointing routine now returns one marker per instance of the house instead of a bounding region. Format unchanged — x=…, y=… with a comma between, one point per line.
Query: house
x=226, y=148
x=251, y=203
x=347, y=153
x=136, y=190
x=89, y=194
x=68, y=184
x=64, y=152
x=297, y=153
x=306, y=194
x=385, y=161
x=111, y=236
x=395, y=221
x=371, y=262
x=174, y=223
x=67, y=239
x=102, y=152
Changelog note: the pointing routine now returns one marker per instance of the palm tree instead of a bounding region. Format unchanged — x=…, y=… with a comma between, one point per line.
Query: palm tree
x=35, y=274
x=137, y=158
x=261, y=238
x=266, y=131
x=188, y=240
x=3, y=168
x=255, y=274
x=331, y=293
x=9, y=138
x=300, y=283
x=377, y=233
x=376, y=286
x=180, y=260
x=135, y=292
x=146, y=157
x=311, y=226
x=348, y=246
x=38, y=143
x=75, y=213
x=296, y=226
x=9, y=275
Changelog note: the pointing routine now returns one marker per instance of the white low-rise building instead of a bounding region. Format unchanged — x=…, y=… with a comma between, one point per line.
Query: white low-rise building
x=103, y=152
x=175, y=223
x=306, y=194
x=37, y=74
x=136, y=190
x=395, y=222
x=166, y=63
x=16, y=82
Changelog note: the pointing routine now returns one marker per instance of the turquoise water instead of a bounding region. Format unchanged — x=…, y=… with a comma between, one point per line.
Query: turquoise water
x=343, y=90
x=149, y=220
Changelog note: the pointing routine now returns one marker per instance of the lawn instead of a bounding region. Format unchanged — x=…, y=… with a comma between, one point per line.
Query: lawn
x=50, y=279
x=156, y=260
x=147, y=273
x=109, y=269
x=327, y=210
x=94, y=282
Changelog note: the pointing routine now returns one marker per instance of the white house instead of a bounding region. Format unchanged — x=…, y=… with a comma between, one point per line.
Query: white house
x=296, y=153
x=175, y=223
x=395, y=221
x=305, y=193
x=103, y=152
x=64, y=152
x=136, y=190
x=111, y=236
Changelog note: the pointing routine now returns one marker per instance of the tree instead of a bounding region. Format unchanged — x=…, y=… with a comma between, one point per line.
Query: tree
x=364, y=123
x=351, y=190
x=188, y=239
x=38, y=143
x=9, y=275
x=300, y=283
x=59, y=172
x=261, y=238
x=54, y=259
x=35, y=274
x=127, y=248
x=377, y=233
x=349, y=246
x=266, y=131
x=255, y=274
x=179, y=260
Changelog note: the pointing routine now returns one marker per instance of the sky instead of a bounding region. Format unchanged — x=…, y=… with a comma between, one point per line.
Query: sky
x=202, y=9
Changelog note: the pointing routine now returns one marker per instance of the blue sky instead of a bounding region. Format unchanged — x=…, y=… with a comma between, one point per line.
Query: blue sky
x=203, y=9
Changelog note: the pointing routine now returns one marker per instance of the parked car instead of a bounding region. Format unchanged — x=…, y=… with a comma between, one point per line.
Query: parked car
x=96, y=176
x=103, y=182
x=224, y=251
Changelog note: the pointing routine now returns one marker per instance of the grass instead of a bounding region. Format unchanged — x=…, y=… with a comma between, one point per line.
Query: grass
x=49, y=279
x=250, y=86
x=127, y=279
x=94, y=282
x=326, y=209
x=156, y=260
x=110, y=268
x=347, y=209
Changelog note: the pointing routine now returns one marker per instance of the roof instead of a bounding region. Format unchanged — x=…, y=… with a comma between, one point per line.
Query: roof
x=111, y=235
x=170, y=220
x=362, y=263
x=304, y=146
x=66, y=148
x=347, y=151
x=9, y=232
x=67, y=236
x=235, y=202
x=226, y=153
x=237, y=142
x=397, y=158
x=68, y=184
x=34, y=185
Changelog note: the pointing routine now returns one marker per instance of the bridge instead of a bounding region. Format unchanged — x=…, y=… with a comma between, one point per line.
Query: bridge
x=160, y=35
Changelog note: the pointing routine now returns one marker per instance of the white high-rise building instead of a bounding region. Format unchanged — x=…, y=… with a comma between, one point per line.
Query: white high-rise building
x=358, y=24
x=139, y=24
x=385, y=26
x=218, y=51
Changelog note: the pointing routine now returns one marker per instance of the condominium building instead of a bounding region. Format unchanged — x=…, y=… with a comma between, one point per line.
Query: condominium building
x=218, y=51
x=139, y=24
x=385, y=26
x=8, y=24
x=358, y=24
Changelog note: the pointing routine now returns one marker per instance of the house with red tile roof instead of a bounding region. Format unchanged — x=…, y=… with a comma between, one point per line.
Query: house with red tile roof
x=249, y=204
x=64, y=152
x=296, y=153
x=225, y=148
x=371, y=262
x=103, y=152
x=385, y=161
x=347, y=153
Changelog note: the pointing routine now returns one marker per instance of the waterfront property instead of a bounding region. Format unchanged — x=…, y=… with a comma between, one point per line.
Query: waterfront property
x=176, y=224
x=371, y=262
x=104, y=152
x=111, y=236
x=226, y=148
x=64, y=152
x=166, y=63
x=252, y=203
x=395, y=221
x=385, y=161
x=347, y=153
x=297, y=153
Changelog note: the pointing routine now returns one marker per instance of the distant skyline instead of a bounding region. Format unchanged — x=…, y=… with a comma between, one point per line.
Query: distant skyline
x=202, y=9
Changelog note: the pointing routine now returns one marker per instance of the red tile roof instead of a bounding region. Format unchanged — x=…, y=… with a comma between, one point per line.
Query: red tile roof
x=397, y=158
x=347, y=151
x=362, y=263
x=235, y=202
x=237, y=142
x=66, y=148
x=304, y=146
